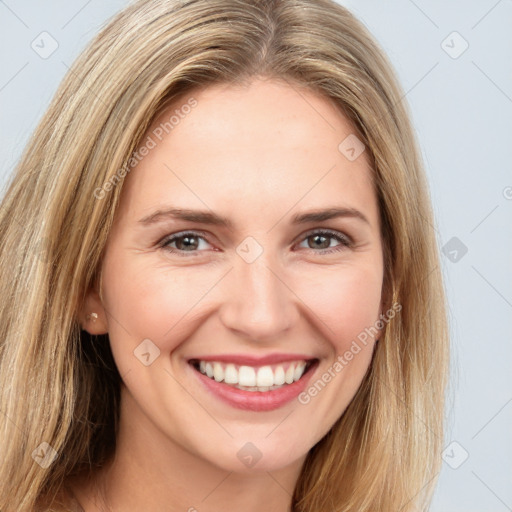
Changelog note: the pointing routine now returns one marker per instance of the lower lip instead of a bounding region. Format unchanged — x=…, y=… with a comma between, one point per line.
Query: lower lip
x=256, y=400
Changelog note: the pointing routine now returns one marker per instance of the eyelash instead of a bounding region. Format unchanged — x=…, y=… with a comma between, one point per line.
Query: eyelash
x=345, y=241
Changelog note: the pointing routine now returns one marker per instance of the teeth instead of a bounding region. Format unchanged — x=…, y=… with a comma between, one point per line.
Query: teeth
x=299, y=370
x=246, y=376
x=218, y=372
x=279, y=376
x=264, y=378
x=289, y=375
x=230, y=375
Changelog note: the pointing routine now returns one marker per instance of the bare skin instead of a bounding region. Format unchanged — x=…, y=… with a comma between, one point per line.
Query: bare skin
x=257, y=155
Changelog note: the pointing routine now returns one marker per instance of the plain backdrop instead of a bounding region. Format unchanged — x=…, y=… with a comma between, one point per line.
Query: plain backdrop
x=454, y=60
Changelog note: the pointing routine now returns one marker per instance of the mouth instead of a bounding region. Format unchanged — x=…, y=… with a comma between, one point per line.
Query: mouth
x=253, y=385
x=254, y=378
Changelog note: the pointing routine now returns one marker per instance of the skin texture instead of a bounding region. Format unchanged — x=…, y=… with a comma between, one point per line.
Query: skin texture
x=256, y=154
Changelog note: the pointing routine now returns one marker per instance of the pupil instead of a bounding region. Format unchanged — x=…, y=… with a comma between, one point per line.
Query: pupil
x=323, y=244
x=187, y=243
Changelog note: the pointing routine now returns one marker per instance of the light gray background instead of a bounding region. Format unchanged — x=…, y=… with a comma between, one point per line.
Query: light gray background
x=461, y=103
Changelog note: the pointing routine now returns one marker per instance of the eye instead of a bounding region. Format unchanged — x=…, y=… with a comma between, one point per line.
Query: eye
x=322, y=239
x=194, y=242
x=186, y=241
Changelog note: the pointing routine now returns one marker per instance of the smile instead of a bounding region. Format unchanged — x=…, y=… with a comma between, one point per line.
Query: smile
x=262, y=384
x=251, y=378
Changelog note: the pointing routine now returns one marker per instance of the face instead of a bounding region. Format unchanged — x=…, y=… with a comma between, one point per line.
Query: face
x=230, y=289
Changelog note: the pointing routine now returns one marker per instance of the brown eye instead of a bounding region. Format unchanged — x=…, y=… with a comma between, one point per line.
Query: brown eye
x=319, y=241
x=323, y=240
x=188, y=241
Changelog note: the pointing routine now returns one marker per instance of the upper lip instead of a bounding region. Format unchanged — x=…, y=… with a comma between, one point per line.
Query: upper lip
x=252, y=360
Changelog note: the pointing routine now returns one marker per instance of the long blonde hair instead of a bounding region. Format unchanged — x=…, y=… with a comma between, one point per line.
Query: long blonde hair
x=61, y=388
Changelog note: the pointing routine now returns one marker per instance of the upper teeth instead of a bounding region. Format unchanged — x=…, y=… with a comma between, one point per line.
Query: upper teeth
x=261, y=377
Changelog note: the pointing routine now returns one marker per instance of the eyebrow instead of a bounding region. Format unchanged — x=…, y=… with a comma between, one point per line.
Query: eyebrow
x=207, y=217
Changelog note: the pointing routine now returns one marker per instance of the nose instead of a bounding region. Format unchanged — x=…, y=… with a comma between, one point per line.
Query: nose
x=259, y=305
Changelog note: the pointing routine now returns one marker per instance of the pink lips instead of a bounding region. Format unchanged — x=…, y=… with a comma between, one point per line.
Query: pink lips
x=255, y=400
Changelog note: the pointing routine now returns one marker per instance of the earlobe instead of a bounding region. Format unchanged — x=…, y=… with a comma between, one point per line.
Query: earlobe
x=93, y=318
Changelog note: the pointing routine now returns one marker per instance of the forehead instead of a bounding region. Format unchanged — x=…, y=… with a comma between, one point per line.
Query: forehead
x=261, y=147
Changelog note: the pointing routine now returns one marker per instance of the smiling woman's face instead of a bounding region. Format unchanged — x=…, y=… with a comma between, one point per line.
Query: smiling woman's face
x=247, y=298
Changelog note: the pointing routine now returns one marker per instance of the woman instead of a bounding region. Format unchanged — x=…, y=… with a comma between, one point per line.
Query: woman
x=223, y=287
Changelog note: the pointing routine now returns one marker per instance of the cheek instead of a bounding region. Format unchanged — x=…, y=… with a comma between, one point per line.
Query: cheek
x=154, y=302
x=347, y=306
x=346, y=300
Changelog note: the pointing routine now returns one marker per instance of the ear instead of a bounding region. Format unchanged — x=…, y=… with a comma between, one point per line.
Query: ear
x=92, y=317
